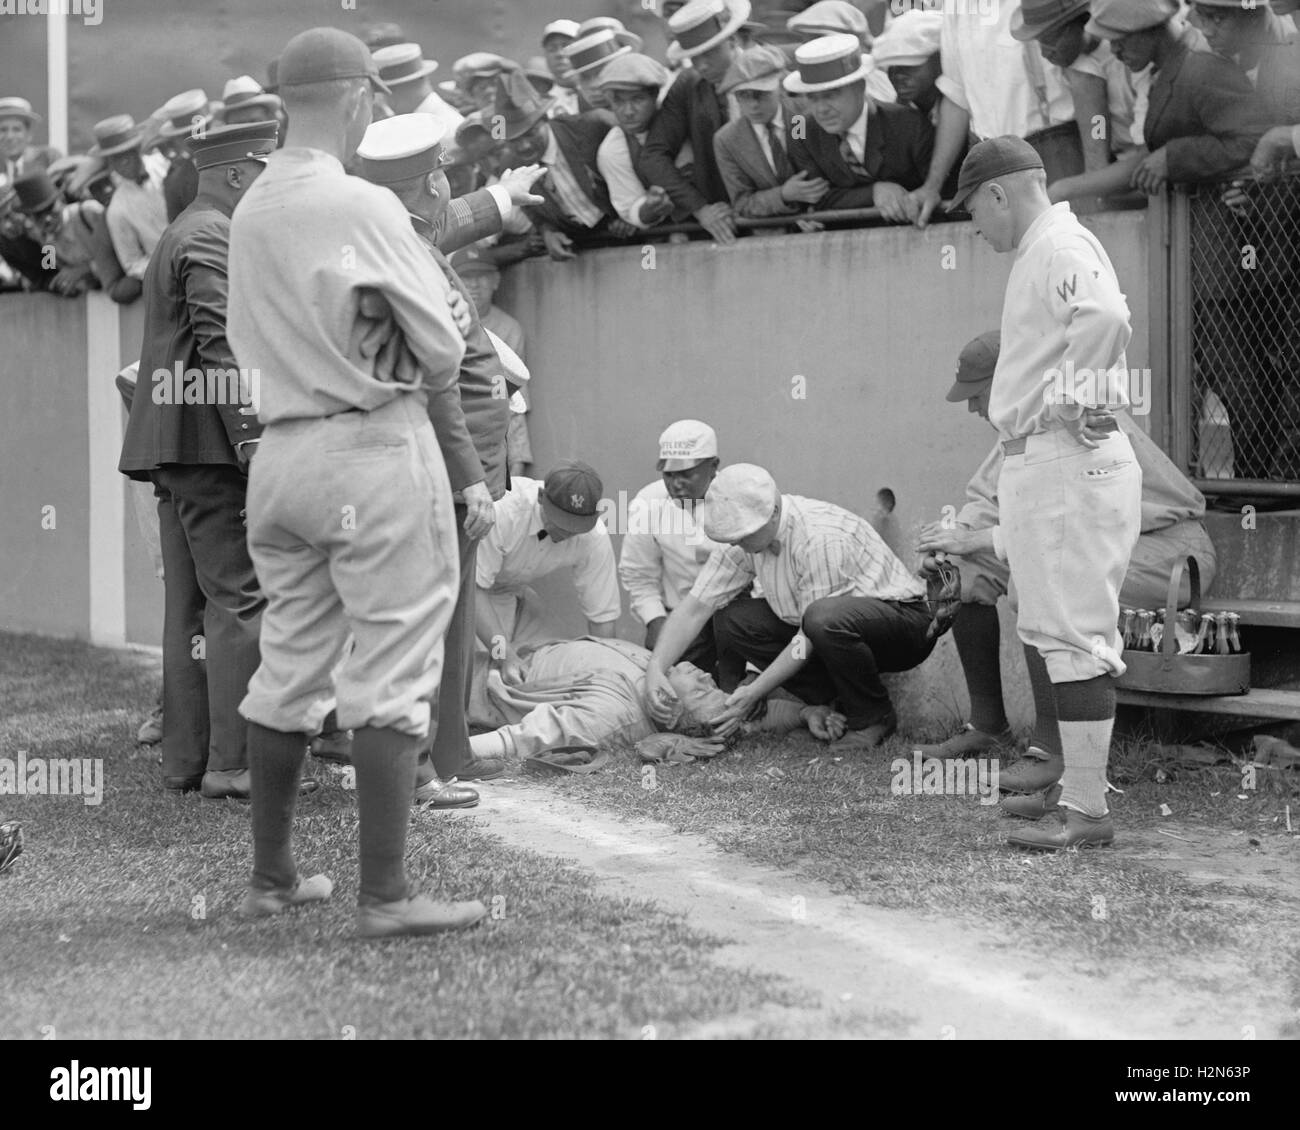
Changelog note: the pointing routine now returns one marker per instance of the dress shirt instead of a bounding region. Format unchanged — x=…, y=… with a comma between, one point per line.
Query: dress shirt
x=664, y=549
x=137, y=215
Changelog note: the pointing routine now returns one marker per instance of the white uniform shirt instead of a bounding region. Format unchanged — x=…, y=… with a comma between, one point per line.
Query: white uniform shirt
x=137, y=216
x=664, y=549
x=1065, y=325
x=512, y=555
x=985, y=73
x=822, y=550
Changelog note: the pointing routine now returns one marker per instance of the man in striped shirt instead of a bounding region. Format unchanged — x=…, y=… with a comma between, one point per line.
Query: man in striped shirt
x=838, y=608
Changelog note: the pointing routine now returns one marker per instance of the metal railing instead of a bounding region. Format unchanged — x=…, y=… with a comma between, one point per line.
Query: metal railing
x=1234, y=317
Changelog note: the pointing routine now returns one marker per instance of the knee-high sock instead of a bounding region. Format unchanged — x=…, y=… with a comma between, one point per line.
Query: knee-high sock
x=977, y=636
x=275, y=761
x=1047, y=732
x=1087, y=716
x=384, y=760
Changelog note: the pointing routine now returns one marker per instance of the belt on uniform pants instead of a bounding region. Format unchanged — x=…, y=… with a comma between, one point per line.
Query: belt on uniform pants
x=1017, y=446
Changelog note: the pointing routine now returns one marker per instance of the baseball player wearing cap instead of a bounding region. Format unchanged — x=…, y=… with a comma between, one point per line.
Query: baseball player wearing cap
x=1172, y=529
x=350, y=521
x=1069, y=492
x=542, y=527
x=405, y=155
x=194, y=445
x=838, y=608
x=664, y=546
x=753, y=151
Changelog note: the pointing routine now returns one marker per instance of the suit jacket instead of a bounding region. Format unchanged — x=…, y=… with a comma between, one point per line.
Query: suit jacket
x=1278, y=80
x=185, y=290
x=484, y=398
x=1203, y=111
x=900, y=140
x=752, y=184
x=578, y=139
x=691, y=111
x=31, y=159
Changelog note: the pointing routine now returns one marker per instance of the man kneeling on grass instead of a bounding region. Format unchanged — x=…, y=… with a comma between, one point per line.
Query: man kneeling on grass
x=588, y=693
x=838, y=609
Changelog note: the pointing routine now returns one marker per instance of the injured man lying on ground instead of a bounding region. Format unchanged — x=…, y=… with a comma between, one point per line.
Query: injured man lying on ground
x=585, y=695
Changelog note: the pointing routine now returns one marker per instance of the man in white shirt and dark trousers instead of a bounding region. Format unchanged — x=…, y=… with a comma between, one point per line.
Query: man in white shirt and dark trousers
x=1070, y=488
x=665, y=546
x=838, y=608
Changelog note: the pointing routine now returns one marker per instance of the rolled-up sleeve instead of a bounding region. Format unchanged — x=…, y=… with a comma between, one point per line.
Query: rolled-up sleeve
x=727, y=573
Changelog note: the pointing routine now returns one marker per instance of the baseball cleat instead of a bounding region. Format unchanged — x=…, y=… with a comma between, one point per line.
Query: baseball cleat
x=1036, y=771
x=967, y=742
x=1065, y=828
x=1034, y=806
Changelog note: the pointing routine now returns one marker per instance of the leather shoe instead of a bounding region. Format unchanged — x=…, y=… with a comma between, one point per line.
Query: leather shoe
x=1032, y=807
x=236, y=784
x=263, y=903
x=967, y=742
x=182, y=784
x=866, y=738
x=482, y=769
x=1065, y=828
x=434, y=794
x=1036, y=771
x=416, y=915
x=336, y=746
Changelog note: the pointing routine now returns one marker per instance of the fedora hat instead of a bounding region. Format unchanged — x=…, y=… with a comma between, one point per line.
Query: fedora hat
x=245, y=92
x=403, y=62
x=1034, y=17
x=117, y=134
x=609, y=23
x=828, y=62
x=593, y=51
x=700, y=25
x=36, y=191
x=18, y=108
x=517, y=105
x=186, y=113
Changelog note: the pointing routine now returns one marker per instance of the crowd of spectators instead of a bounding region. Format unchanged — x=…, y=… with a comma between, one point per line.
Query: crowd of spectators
x=745, y=123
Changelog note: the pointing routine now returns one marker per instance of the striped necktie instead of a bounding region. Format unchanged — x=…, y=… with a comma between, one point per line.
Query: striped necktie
x=780, y=159
x=856, y=167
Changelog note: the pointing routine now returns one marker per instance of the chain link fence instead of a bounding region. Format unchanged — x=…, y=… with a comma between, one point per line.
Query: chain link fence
x=1243, y=259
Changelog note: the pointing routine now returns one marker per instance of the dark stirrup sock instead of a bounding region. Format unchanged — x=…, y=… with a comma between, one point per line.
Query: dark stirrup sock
x=978, y=638
x=1047, y=733
x=275, y=761
x=384, y=760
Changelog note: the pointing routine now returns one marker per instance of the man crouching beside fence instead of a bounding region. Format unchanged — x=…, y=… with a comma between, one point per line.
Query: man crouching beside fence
x=350, y=522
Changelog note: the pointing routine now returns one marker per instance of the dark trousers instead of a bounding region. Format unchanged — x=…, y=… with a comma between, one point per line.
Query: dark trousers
x=450, y=713
x=854, y=639
x=208, y=581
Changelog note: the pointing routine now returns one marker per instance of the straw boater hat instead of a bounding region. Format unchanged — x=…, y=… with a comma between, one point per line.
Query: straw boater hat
x=1034, y=17
x=592, y=52
x=114, y=135
x=189, y=112
x=243, y=93
x=18, y=108
x=701, y=25
x=609, y=23
x=403, y=62
x=828, y=62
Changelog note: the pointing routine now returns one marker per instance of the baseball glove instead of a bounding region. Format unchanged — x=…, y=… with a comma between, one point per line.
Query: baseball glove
x=11, y=843
x=942, y=597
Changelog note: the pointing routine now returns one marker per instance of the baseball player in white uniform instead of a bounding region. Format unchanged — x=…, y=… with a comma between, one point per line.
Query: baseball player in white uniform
x=1070, y=488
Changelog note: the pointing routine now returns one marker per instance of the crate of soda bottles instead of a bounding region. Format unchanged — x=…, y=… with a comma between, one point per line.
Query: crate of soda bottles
x=1195, y=651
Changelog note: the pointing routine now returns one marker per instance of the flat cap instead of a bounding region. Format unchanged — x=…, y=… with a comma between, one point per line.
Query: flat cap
x=634, y=71
x=740, y=500
x=1112, y=19
x=910, y=40
x=754, y=68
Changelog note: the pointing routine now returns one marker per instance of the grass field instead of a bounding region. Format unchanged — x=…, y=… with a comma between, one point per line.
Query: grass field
x=119, y=918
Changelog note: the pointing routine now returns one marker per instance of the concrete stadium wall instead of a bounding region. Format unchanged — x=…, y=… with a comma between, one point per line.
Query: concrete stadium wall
x=811, y=355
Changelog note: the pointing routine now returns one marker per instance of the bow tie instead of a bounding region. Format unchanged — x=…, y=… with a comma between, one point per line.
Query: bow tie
x=541, y=535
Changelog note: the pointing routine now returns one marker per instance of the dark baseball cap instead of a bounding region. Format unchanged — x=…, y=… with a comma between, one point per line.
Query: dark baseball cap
x=975, y=365
x=995, y=157
x=570, y=497
x=322, y=54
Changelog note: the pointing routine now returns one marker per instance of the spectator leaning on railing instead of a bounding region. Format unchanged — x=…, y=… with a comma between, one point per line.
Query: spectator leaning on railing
x=1258, y=41
x=137, y=214
x=753, y=152
x=871, y=153
x=66, y=229
x=908, y=55
x=839, y=17
x=634, y=86
x=693, y=111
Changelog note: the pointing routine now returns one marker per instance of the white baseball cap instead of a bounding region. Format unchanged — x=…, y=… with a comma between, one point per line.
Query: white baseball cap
x=740, y=500
x=685, y=444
